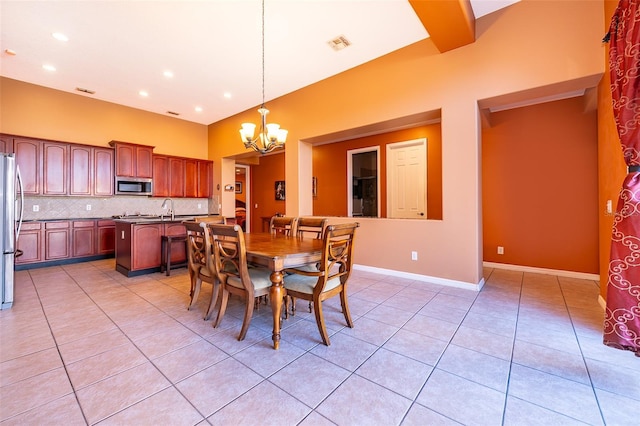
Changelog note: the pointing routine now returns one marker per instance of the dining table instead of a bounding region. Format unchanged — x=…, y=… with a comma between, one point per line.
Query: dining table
x=278, y=252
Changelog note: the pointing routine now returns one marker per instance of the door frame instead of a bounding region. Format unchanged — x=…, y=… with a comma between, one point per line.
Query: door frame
x=247, y=189
x=350, y=154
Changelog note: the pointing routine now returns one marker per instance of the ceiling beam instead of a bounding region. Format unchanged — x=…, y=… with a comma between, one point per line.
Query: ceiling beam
x=450, y=23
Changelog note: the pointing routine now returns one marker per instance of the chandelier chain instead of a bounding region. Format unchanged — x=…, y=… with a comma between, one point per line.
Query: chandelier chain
x=262, y=53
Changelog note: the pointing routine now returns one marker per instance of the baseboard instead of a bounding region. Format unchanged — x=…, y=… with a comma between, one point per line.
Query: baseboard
x=425, y=278
x=558, y=272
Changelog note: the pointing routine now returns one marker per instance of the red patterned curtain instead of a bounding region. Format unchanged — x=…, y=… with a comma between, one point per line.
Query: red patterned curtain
x=622, y=318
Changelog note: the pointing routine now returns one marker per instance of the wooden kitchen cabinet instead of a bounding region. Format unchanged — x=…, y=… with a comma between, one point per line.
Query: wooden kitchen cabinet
x=161, y=176
x=133, y=160
x=80, y=173
x=57, y=237
x=6, y=144
x=55, y=170
x=176, y=176
x=102, y=172
x=91, y=171
x=106, y=241
x=146, y=246
x=83, y=238
x=29, y=159
x=191, y=178
x=205, y=182
x=30, y=242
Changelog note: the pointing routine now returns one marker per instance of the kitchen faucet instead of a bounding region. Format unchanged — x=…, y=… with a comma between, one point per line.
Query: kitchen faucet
x=164, y=206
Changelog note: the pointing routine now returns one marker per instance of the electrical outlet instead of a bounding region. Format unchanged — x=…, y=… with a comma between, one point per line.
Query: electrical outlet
x=88, y=207
x=36, y=208
x=500, y=250
x=199, y=206
x=414, y=255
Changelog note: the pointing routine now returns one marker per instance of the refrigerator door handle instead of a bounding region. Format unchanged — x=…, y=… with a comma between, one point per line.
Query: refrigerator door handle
x=21, y=192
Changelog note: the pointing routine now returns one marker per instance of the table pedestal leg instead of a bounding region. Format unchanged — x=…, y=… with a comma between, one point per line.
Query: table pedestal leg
x=276, y=294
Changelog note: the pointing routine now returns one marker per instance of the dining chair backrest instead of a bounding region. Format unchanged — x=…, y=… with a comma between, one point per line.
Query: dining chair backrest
x=230, y=254
x=337, y=254
x=196, y=247
x=312, y=227
x=220, y=220
x=284, y=225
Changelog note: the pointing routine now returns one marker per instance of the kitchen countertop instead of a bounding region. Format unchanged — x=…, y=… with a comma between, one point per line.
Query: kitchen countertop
x=163, y=219
x=128, y=219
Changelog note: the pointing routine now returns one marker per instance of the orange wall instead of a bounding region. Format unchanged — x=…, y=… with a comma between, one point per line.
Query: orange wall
x=611, y=167
x=332, y=184
x=39, y=112
x=540, y=187
x=417, y=79
x=263, y=179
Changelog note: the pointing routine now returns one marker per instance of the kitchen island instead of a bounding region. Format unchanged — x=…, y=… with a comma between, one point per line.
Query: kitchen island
x=139, y=242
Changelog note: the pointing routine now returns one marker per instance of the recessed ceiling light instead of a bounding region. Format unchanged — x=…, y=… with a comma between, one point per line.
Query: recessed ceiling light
x=198, y=109
x=49, y=67
x=227, y=95
x=60, y=37
x=168, y=74
x=143, y=93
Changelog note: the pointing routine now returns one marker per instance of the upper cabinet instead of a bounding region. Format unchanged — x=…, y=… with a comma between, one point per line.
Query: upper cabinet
x=6, y=144
x=181, y=177
x=90, y=171
x=29, y=160
x=133, y=160
x=60, y=168
x=55, y=171
x=205, y=179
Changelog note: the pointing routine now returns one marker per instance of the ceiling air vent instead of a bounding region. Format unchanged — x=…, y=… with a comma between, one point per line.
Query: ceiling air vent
x=83, y=90
x=173, y=113
x=339, y=43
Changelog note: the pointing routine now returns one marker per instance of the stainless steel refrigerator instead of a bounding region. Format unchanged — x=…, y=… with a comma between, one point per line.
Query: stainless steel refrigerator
x=11, y=208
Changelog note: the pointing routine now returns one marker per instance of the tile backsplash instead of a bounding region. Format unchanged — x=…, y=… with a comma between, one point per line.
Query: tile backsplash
x=76, y=207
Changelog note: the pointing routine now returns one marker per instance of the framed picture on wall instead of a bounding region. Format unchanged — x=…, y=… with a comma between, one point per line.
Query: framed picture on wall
x=238, y=187
x=314, y=186
x=280, y=191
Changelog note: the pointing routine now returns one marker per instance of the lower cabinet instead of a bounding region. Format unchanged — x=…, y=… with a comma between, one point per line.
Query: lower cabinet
x=30, y=243
x=84, y=238
x=106, y=236
x=65, y=240
x=56, y=240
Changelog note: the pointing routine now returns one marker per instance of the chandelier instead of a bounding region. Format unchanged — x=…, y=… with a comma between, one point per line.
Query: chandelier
x=270, y=136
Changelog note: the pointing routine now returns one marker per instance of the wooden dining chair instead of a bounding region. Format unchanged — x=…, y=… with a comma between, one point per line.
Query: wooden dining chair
x=284, y=225
x=332, y=275
x=230, y=256
x=200, y=263
x=307, y=227
x=311, y=227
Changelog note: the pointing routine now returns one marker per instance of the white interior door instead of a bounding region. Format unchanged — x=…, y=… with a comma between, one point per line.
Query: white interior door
x=406, y=179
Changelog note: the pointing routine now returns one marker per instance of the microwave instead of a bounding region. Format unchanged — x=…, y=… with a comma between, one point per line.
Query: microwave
x=133, y=186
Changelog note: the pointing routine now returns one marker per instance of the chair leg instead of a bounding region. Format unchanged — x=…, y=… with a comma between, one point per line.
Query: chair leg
x=195, y=292
x=320, y=321
x=345, y=308
x=223, y=307
x=248, y=313
x=286, y=307
x=214, y=299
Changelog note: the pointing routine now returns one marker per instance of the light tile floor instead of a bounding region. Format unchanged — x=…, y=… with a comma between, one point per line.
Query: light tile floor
x=85, y=345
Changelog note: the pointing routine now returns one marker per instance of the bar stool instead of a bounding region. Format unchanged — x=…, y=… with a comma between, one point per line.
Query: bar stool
x=165, y=250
